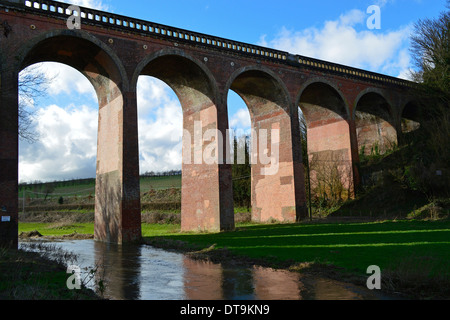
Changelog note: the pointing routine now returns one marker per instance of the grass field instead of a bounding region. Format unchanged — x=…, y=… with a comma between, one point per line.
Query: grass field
x=353, y=246
x=87, y=187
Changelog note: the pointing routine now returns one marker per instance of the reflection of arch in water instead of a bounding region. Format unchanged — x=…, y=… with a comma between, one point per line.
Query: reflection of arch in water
x=120, y=269
x=209, y=281
x=272, y=284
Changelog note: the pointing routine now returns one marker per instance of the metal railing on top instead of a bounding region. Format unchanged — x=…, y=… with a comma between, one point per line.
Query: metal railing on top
x=115, y=21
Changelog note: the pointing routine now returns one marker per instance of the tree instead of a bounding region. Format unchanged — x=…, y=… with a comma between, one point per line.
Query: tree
x=430, y=170
x=305, y=157
x=33, y=84
x=241, y=173
x=430, y=48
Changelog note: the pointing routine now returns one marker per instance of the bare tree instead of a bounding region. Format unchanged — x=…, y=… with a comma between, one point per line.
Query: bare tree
x=331, y=173
x=33, y=84
x=430, y=50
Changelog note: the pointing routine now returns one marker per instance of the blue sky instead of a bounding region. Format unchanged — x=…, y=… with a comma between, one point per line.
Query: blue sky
x=336, y=31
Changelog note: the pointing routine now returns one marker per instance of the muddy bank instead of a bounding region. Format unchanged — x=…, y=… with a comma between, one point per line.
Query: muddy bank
x=36, y=235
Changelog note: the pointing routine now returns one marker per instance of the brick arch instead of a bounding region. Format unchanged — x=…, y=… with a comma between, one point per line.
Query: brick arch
x=100, y=58
x=117, y=207
x=277, y=188
x=329, y=97
x=326, y=112
x=181, y=57
x=410, y=116
x=375, y=122
x=381, y=96
x=252, y=81
x=412, y=108
x=331, y=86
x=206, y=198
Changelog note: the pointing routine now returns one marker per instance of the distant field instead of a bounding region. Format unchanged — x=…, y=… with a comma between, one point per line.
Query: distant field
x=86, y=187
x=148, y=183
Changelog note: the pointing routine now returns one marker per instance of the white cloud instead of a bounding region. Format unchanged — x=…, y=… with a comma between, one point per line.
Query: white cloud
x=66, y=80
x=152, y=93
x=93, y=4
x=160, y=126
x=67, y=147
x=241, y=120
x=340, y=41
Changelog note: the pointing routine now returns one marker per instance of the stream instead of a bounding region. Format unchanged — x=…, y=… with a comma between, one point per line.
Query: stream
x=142, y=272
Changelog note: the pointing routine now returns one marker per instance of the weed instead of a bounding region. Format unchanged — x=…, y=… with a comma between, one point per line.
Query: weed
x=419, y=276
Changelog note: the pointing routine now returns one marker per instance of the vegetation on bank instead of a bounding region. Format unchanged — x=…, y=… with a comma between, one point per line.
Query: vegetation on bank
x=28, y=275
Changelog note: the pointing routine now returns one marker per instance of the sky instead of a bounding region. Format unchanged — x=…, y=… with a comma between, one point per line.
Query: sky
x=344, y=32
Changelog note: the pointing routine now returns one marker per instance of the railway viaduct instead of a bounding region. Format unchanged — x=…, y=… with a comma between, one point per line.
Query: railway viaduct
x=345, y=108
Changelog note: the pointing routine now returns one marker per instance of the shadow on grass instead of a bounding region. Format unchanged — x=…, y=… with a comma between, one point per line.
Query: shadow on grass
x=352, y=246
x=346, y=250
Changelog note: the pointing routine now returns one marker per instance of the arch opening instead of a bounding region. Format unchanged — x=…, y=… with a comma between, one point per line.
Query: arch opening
x=275, y=170
x=206, y=191
x=410, y=118
x=375, y=125
x=117, y=208
x=326, y=140
x=240, y=148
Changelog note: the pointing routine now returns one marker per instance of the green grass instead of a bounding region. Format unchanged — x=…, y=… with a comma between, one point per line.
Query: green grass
x=30, y=276
x=55, y=229
x=160, y=183
x=86, y=188
x=158, y=230
x=351, y=246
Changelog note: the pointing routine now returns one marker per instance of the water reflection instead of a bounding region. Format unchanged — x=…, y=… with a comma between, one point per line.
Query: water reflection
x=145, y=273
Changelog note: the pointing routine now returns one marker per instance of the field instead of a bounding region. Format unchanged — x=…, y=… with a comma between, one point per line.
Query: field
x=157, y=193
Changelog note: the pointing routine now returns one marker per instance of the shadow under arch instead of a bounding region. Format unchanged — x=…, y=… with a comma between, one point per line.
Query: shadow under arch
x=207, y=199
x=255, y=82
x=117, y=208
x=275, y=157
x=375, y=122
x=78, y=49
x=411, y=117
x=333, y=99
x=329, y=146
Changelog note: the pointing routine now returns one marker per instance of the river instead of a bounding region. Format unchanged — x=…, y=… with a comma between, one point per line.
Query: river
x=142, y=272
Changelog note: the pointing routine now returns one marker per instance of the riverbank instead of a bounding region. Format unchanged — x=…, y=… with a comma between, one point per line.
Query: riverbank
x=414, y=256
x=31, y=276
